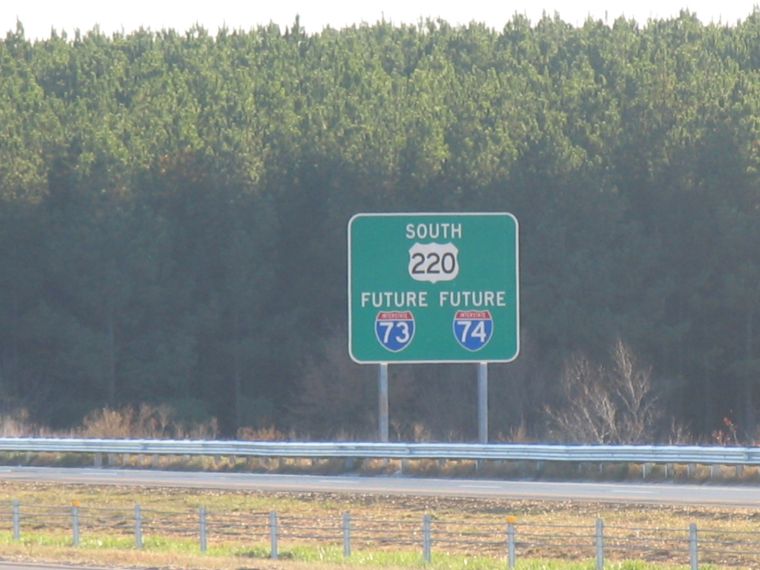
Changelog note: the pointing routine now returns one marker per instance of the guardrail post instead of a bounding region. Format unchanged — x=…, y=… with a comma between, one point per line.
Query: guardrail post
x=138, y=527
x=273, y=535
x=599, y=544
x=511, y=556
x=203, y=529
x=98, y=462
x=346, y=535
x=693, y=547
x=426, y=539
x=16, y=520
x=75, y=525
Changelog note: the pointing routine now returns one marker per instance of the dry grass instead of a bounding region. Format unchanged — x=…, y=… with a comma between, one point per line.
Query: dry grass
x=461, y=516
x=145, y=421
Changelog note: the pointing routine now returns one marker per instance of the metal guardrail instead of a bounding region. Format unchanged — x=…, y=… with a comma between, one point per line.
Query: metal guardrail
x=665, y=454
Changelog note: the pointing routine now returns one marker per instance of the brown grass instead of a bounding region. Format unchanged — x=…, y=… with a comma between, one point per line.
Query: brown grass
x=323, y=510
x=145, y=421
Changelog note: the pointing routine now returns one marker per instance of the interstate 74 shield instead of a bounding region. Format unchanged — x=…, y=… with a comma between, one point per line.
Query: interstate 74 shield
x=473, y=329
x=394, y=329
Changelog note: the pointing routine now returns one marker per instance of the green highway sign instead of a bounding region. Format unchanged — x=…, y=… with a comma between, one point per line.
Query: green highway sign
x=433, y=288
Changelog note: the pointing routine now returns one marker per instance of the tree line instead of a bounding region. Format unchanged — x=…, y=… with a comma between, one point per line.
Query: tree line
x=173, y=211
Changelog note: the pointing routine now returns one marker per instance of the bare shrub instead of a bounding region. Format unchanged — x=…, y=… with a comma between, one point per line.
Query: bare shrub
x=602, y=404
x=18, y=424
x=679, y=434
x=204, y=430
x=588, y=414
x=146, y=421
x=517, y=434
x=109, y=423
x=639, y=407
x=270, y=433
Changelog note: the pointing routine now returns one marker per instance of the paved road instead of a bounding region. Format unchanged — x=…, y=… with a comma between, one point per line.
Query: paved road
x=748, y=496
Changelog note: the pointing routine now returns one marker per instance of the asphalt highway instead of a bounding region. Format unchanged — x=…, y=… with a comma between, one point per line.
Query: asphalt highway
x=642, y=493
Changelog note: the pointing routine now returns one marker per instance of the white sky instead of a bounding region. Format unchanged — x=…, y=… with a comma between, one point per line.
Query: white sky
x=40, y=16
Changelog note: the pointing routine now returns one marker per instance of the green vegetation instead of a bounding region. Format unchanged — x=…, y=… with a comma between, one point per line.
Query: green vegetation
x=173, y=210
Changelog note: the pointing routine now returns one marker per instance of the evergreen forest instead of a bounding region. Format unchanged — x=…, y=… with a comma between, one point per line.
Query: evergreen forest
x=173, y=212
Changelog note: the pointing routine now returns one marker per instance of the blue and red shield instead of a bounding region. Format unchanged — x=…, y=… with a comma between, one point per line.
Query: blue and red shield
x=394, y=329
x=473, y=329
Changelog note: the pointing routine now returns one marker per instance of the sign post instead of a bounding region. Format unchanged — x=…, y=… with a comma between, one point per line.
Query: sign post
x=434, y=288
x=382, y=391
x=483, y=402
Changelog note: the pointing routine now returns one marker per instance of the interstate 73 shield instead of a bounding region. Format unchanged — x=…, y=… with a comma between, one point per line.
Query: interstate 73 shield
x=394, y=329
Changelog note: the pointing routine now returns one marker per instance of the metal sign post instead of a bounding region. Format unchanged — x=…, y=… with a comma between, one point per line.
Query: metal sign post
x=483, y=402
x=382, y=384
